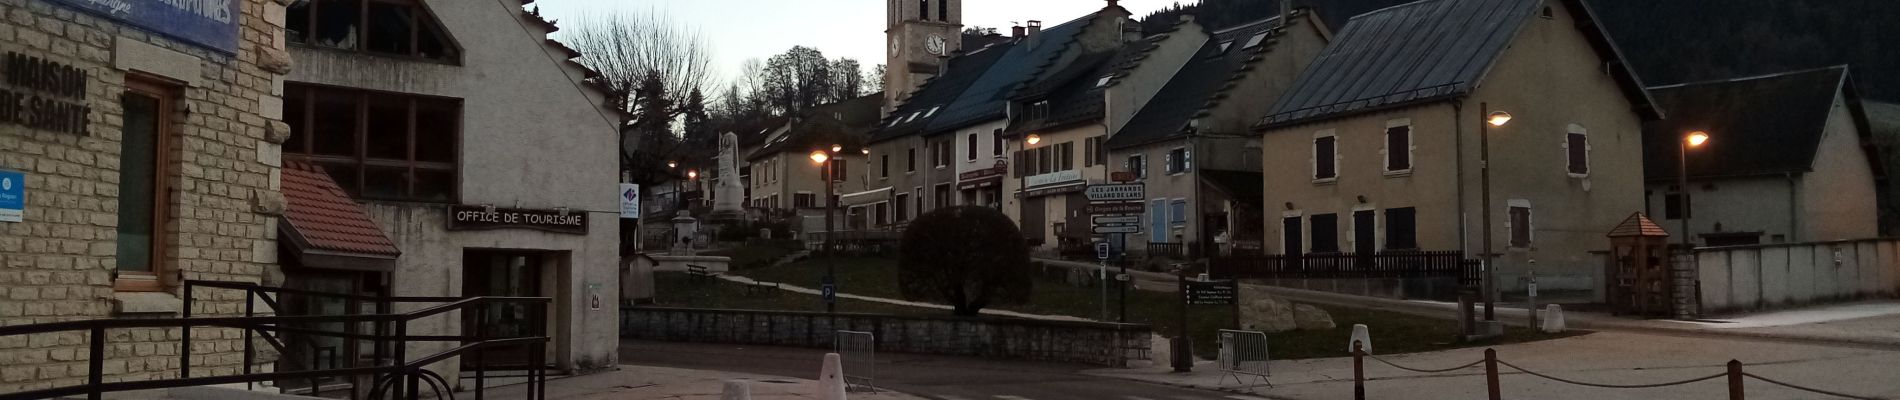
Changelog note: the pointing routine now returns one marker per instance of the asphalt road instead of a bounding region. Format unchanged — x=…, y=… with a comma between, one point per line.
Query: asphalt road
x=935, y=377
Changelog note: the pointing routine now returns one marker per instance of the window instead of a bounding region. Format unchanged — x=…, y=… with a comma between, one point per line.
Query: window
x=903, y=207
x=1177, y=212
x=1065, y=156
x=1398, y=146
x=391, y=27
x=970, y=153
x=996, y=143
x=943, y=195
x=1256, y=40
x=910, y=159
x=1325, y=233
x=1138, y=165
x=1401, y=229
x=1178, y=161
x=840, y=170
x=1089, y=148
x=918, y=194
x=923, y=10
x=1223, y=49
x=1672, y=206
x=1577, y=151
x=1520, y=221
x=1325, y=157
x=1045, y=160
x=143, y=186
x=884, y=169
x=882, y=213
x=804, y=200
x=943, y=10
x=377, y=145
x=944, y=153
x=1039, y=110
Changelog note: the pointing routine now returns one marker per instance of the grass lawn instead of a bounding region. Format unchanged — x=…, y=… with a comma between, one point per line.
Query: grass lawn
x=1391, y=332
x=676, y=289
x=750, y=257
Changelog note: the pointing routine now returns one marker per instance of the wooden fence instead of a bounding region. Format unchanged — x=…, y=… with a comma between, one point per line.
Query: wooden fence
x=1408, y=264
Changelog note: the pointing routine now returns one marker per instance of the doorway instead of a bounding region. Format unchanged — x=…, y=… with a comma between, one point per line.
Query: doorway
x=501, y=273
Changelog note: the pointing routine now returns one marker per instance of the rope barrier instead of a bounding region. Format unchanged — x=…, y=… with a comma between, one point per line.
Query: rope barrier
x=1645, y=386
x=1809, y=389
x=1425, y=371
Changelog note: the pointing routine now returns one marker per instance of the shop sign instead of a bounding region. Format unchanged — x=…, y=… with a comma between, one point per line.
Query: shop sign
x=1055, y=190
x=44, y=95
x=12, y=196
x=208, y=23
x=629, y=201
x=1054, y=178
x=996, y=171
x=467, y=218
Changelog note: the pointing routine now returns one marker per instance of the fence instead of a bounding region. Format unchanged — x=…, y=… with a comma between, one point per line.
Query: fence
x=1744, y=278
x=1175, y=250
x=1408, y=264
x=857, y=352
x=1244, y=353
x=1736, y=377
x=1098, y=343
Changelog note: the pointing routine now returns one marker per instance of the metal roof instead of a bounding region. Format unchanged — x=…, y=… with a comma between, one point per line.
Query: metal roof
x=1194, y=87
x=988, y=97
x=916, y=112
x=1425, y=51
x=1767, y=124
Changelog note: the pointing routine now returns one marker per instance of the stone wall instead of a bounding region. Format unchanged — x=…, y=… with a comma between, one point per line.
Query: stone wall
x=59, y=264
x=1096, y=343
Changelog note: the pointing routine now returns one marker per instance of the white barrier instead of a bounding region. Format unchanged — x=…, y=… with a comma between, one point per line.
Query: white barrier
x=1553, y=319
x=858, y=354
x=831, y=379
x=1362, y=335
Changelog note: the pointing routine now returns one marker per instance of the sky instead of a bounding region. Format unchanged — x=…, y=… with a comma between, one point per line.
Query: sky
x=745, y=29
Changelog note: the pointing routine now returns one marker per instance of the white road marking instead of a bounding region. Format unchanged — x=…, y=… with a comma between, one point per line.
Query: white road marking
x=1009, y=397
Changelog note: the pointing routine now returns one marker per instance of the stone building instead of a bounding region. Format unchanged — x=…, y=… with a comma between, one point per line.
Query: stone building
x=479, y=151
x=1790, y=158
x=784, y=177
x=138, y=149
x=1375, y=147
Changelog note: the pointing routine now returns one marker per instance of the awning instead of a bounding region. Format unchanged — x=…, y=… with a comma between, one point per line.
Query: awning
x=865, y=197
x=323, y=228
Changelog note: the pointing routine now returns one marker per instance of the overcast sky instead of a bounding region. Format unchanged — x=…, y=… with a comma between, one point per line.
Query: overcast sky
x=745, y=29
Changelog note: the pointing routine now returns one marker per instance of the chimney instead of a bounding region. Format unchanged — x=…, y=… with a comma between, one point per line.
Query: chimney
x=1114, y=3
x=1286, y=12
x=1017, y=32
x=1035, y=28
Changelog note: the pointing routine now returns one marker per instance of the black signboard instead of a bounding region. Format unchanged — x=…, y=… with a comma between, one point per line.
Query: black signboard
x=464, y=218
x=1214, y=293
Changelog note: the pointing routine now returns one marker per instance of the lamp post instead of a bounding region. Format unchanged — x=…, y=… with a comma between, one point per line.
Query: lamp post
x=827, y=162
x=1693, y=139
x=1498, y=119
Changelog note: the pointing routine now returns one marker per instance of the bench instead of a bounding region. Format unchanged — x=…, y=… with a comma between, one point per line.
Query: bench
x=700, y=273
x=757, y=288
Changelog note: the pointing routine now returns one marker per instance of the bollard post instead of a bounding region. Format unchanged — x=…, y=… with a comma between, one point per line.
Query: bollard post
x=1491, y=374
x=1358, y=372
x=1735, y=380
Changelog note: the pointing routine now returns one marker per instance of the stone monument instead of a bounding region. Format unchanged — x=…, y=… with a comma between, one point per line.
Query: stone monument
x=728, y=194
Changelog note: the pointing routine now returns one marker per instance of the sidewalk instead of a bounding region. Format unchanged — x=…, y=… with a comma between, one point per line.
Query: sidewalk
x=637, y=382
x=1608, y=357
x=1858, y=324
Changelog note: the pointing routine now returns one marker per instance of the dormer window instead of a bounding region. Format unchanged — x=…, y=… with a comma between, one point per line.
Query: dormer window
x=1223, y=48
x=1256, y=40
x=1039, y=110
x=390, y=27
x=1104, y=81
x=933, y=111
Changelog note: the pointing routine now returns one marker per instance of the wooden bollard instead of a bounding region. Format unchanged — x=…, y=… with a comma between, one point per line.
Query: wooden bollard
x=1491, y=374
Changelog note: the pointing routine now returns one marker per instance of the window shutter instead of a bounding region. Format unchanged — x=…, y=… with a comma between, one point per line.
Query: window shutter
x=1578, y=146
x=1398, y=144
x=1324, y=158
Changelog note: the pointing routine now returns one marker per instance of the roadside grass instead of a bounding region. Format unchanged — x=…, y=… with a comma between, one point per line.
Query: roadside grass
x=752, y=256
x=1391, y=332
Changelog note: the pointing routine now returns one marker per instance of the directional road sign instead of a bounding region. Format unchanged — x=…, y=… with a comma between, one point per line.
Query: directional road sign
x=1116, y=219
x=1120, y=208
x=1118, y=229
x=1116, y=192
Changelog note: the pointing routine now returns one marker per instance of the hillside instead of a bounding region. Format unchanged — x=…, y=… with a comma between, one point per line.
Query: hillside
x=1680, y=40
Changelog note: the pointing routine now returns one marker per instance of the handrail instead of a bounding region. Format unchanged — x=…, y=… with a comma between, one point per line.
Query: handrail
x=262, y=288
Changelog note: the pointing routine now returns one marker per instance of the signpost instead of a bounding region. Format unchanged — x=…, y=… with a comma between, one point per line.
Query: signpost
x=1210, y=293
x=1116, y=212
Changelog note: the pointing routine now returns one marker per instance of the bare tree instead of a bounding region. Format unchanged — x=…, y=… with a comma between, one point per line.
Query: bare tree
x=625, y=46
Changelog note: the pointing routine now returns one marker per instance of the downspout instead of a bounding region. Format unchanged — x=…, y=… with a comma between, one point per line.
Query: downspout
x=1794, y=215
x=1457, y=123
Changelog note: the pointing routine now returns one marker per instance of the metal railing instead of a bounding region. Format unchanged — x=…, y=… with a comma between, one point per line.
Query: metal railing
x=1244, y=353
x=1175, y=250
x=391, y=372
x=1396, y=264
x=857, y=352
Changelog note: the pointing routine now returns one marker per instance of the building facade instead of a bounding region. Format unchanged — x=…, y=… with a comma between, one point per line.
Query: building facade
x=1355, y=168
x=1790, y=158
x=138, y=149
x=478, y=150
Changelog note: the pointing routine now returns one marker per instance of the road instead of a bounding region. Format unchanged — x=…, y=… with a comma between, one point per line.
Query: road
x=934, y=377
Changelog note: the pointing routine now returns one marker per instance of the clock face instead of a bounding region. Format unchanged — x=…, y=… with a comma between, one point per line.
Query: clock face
x=894, y=47
x=935, y=45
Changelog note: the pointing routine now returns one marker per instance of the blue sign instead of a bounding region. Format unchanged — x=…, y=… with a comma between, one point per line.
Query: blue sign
x=1101, y=250
x=209, y=23
x=12, y=196
x=831, y=292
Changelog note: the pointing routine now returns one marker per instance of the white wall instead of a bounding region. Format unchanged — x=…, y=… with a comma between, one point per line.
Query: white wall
x=1745, y=278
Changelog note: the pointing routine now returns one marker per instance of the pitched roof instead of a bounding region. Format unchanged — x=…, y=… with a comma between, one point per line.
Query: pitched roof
x=987, y=98
x=928, y=102
x=320, y=216
x=1074, y=93
x=1425, y=51
x=1766, y=124
x=847, y=122
x=1638, y=225
x=1196, y=87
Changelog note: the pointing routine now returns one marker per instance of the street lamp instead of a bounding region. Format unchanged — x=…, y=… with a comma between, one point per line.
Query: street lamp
x=1693, y=139
x=672, y=164
x=826, y=162
x=1034, y=139
x=1493, y=119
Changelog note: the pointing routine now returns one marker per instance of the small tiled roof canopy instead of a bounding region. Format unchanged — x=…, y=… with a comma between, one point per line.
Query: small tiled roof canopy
x=320, y=219
x=1638, y=225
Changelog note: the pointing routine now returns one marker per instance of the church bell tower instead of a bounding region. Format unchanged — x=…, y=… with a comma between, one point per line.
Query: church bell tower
x=921, y=35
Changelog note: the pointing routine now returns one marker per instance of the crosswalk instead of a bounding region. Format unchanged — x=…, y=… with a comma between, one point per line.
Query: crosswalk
x=1014, y=397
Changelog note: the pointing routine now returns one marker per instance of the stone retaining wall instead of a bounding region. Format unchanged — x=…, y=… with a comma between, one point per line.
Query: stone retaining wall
x=1098, y=343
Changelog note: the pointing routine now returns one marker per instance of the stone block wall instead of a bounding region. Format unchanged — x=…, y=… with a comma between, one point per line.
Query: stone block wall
x=59, y=264
x=1107, y=344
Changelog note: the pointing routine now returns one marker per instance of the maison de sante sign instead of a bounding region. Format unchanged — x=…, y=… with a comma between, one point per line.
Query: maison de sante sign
x=44, y=95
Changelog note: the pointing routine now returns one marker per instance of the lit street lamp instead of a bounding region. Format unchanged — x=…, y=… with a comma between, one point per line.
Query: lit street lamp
x=1693, y=139
x=1493, y=119
x=826, y=162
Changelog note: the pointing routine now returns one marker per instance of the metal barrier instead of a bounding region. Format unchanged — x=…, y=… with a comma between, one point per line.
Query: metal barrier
x=1493, y=389
x=857, y=351
x=1244, y=353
